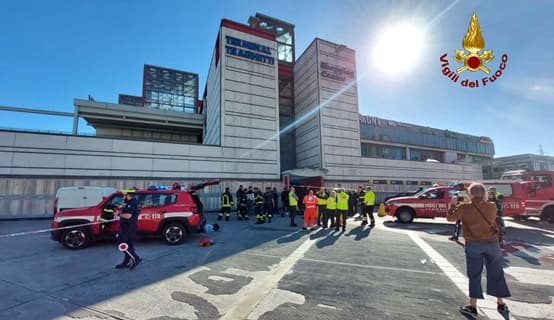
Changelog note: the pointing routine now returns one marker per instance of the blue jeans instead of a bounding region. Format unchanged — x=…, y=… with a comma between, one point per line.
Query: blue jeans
x=487, y=252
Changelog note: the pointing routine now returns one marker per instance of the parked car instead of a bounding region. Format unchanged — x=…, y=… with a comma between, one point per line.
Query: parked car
x=169, y=214
x=80, y=197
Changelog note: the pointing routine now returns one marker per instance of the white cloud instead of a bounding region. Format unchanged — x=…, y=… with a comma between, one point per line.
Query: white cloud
x=533, y=89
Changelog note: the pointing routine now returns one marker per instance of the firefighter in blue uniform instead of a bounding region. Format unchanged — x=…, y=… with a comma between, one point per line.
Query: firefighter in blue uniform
x=127, y=230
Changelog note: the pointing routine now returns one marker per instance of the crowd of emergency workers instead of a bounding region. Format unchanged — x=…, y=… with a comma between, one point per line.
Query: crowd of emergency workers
x=321, y=209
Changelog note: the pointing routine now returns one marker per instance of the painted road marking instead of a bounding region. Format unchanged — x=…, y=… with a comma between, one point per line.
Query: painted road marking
x=365, y=266
x=255, y=292
x=486, y=306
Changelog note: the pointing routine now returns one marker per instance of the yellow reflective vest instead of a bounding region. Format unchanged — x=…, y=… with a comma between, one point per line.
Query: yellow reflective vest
x=293, y=199
x=331, y=203
x=369, y=198
x=342, y=201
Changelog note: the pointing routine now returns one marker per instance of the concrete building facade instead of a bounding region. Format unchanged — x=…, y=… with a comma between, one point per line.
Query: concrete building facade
x=251, y=100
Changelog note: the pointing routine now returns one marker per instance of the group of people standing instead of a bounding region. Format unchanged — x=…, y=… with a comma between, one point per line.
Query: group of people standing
x=251, y=201
x=322, y=209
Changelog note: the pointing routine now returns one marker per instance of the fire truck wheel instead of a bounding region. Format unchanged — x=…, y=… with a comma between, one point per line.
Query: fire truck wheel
x=174, y=233
x=405, y=215
x=75, y=238
x=548, y=214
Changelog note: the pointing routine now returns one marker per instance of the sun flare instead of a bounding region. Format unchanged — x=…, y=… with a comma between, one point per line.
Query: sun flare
x=398, y=48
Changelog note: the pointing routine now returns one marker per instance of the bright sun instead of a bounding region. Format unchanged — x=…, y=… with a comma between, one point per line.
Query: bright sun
x=398, y=48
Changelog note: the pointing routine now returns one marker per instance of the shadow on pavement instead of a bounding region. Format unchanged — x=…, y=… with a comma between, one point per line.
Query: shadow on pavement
x=331, y=238
x=359, y=232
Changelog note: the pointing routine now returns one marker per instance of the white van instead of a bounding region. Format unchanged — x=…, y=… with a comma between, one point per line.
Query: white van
x=80, y=197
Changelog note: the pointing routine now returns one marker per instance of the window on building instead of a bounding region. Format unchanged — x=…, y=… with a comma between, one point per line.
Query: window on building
x=370, y=150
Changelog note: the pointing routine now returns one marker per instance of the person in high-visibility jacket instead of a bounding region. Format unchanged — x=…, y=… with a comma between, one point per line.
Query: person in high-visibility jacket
x=330, y=210
x=369, y=204
x=342, y=210
x=226, y=204
x=293, y=206
x=310, y=205
x=321, y=205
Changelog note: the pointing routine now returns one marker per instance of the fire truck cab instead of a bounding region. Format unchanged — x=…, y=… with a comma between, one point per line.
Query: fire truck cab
x=540, y=192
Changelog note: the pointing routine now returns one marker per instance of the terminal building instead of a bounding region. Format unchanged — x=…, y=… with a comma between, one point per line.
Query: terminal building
x=265, y=118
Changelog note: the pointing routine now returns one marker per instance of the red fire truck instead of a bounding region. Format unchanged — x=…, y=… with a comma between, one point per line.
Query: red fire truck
x=434, y=202
x=540, y=198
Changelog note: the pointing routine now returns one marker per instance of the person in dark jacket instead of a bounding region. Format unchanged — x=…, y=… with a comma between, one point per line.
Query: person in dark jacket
x=275, y=201
x=242, y=204
x=285, y=201
x=127, y=231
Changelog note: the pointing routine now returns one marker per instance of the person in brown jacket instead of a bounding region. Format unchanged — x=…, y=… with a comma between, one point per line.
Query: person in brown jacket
x=481, y=246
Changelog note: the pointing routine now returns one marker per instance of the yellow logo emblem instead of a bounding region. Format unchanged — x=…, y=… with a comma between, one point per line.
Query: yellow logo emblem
x=473, y=57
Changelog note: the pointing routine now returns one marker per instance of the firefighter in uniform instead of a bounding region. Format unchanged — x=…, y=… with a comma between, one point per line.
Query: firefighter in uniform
x=342, y=210
x=258, y=205
x=242, y=204
x=269, y=204
x=462, y=197
x=127, y=230
x=321, y=205
x=226, y=204
x=368, y=204
x=107, y=216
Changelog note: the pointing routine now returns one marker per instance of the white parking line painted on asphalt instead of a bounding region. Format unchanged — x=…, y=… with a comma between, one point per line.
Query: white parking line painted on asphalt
x=255, y=292
x=486, y=306
x=365, y=266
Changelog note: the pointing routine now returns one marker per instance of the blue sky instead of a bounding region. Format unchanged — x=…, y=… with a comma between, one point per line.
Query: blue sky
x=54, y=51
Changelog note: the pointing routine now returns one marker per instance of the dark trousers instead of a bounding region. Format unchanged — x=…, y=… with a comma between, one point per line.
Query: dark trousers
x=329, y=214
x=368, y=211
x=225, y=211
x=126, y=235
x=338, y=215
x=320, y=214
x=268, y=210
x=293, y=210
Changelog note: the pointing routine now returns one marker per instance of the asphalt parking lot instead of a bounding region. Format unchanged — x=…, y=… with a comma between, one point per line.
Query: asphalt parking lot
x=269, y=271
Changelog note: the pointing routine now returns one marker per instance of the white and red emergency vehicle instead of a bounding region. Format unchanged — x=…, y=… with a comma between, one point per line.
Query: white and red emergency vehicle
x=540, y=192
x=434, y=202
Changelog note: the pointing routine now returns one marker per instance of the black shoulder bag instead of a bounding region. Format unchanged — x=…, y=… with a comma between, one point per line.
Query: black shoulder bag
x=494, y=228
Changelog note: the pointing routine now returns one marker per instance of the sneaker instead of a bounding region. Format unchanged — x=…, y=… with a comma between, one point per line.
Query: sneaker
x=336, y=228
x=134, y=263
x=293, y=225
x=364, y=223
x=304, y=228
x=469, y=310
x=502, y=307
x=453, y=238
x=122, y=265
x=343, y=229
x=372, y=225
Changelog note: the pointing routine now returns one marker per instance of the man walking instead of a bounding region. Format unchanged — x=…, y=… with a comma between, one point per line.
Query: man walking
x=127, y=231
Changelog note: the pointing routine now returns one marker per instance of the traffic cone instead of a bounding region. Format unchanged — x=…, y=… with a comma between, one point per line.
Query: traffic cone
x=381, y=211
